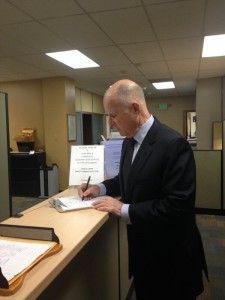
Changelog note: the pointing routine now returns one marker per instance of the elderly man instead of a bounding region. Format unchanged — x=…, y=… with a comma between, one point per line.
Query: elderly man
x=157, y=183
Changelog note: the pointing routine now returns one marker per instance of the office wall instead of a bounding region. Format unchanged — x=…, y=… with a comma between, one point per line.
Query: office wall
x=25, y=109
x=58, y=102
x=88, y=102
x=174, y=115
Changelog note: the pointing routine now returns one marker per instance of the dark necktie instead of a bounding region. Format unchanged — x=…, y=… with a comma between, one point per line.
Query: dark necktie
x=128, y=159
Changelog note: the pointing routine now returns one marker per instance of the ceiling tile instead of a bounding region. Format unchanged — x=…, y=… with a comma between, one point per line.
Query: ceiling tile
x=91, y=73
x=40, y=9
x=35, y=36
x=126, y=25
x=101, y=5
x=124, y=70
x=143, y=52
x=187, y=87
x=14, y=65
x=13, y=47
x=158, y=1
x=210, y=73
x=214, y=19
x=105, y=56
x=183, y=65
x=185, y=75
x=182, y=48
x=153, y=69
x=212, y=62
x=177, y=19
x=43, y=62
x=9, y=14
x=80, y=31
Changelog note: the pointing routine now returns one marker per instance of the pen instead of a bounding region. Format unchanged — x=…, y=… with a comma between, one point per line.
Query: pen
x=86, y=187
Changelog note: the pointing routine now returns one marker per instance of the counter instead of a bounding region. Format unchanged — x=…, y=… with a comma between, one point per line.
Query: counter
x=88, y=266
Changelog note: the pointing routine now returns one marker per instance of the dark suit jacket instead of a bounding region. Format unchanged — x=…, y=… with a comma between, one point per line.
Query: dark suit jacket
x=161, y=194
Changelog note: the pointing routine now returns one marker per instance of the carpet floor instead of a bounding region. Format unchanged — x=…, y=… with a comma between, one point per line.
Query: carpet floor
x=212, y=229
x=20, y=204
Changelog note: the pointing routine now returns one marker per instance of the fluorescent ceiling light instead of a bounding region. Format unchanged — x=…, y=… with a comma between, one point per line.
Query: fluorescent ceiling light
x=164, y=85
x=214, y=45
x=74, y=59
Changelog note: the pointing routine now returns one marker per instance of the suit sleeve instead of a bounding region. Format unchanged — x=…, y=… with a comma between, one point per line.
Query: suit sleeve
x=112, y=186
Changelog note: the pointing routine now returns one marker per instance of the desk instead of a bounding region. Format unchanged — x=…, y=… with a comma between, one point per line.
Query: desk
x=88, y=265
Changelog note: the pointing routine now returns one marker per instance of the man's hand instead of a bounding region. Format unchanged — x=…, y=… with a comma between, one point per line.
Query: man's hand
x=109, y=204
x=91, y=192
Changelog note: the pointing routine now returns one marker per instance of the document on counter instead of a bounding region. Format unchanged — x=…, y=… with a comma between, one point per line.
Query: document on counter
x=16, y=255
x=86, y=161
x=64, y=204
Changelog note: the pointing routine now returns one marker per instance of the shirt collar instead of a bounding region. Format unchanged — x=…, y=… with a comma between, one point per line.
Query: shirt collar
x=140, y=135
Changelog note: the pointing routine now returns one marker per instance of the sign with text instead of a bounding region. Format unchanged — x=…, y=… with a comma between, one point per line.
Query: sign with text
x=112, y=157
x=86, y=161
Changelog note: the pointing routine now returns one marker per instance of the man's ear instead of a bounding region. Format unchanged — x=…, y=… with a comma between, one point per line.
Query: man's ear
x=135, y=107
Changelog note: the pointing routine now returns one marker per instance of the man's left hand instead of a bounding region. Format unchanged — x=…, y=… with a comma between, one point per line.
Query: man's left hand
x=109, y=204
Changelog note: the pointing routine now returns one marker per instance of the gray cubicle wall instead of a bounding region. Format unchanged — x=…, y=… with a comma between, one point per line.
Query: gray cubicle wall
x=208, y=181
x=223, y=159
x=5, y=198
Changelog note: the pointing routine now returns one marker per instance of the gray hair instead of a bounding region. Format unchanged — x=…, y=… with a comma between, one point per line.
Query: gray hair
x=127, y=93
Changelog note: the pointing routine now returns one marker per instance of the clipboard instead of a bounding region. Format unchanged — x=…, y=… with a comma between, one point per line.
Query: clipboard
x=70, y=203
x=65, y=204
x=29, y=234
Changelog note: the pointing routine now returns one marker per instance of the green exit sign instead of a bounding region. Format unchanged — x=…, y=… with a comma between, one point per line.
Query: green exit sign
x=163, y=106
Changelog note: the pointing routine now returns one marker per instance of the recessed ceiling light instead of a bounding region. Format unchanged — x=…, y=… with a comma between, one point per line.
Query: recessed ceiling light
x=74, y=59
x=164, y=85
x=214, y=45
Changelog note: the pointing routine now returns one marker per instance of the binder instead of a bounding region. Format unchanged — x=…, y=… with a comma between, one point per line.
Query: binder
x=26, y=233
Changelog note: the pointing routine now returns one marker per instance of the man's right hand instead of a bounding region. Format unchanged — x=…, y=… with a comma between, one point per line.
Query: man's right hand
x=91, y=192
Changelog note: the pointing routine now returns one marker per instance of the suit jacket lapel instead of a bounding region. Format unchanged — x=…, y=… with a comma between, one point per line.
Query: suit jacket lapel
x=138, y=164
x=141, y=157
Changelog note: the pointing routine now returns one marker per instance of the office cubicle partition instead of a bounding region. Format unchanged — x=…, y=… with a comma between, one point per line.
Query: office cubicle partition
x=5, y=195
x=209, y=180
x=223, y=164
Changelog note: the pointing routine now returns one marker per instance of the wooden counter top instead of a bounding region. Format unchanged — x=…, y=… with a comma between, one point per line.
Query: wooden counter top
x=74, y=230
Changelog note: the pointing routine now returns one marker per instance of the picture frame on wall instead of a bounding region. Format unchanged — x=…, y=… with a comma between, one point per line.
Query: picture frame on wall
x=72, y=130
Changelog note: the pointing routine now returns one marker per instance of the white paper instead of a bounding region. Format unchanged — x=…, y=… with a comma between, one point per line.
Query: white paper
x=72, y=203
x=86, y=161
x=17, y=256
x=112, y=157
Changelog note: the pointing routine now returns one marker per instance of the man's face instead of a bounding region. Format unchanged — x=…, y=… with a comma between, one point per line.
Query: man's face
x=121, y=118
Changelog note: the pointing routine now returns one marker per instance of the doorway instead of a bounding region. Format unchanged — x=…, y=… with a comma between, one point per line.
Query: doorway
x=92, y=125
x=87, y=129
x=190, y=120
